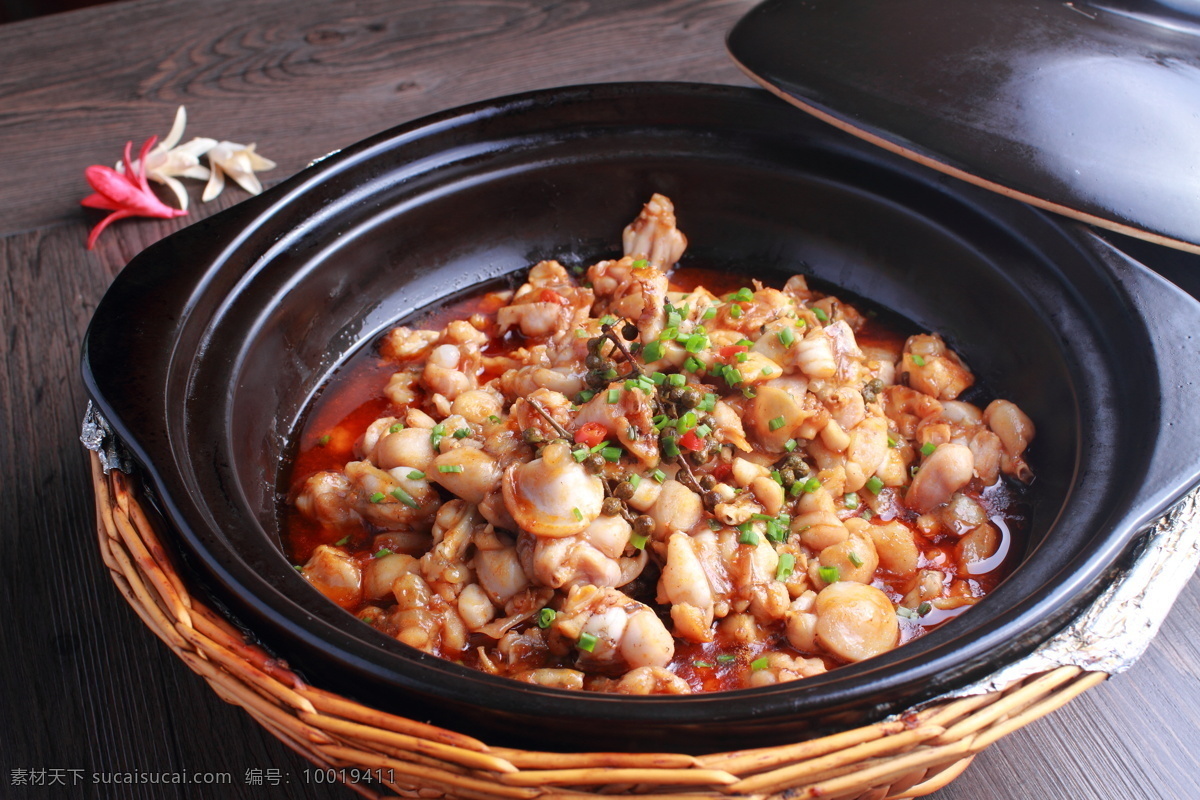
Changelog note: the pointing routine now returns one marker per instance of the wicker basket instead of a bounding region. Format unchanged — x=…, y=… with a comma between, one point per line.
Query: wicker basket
x=910, y=757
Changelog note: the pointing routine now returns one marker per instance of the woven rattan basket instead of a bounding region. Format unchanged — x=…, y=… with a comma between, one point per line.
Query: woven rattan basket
x=909, y=757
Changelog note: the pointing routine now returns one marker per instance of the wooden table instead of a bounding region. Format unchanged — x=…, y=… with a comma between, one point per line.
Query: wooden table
x=87, y=689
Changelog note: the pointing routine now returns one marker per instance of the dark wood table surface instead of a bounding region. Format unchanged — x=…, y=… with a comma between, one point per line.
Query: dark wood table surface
x=86, y=688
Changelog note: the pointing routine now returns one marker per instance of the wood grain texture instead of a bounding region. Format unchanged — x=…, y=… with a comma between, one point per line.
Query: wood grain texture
x=305, y=79
x=83, y=685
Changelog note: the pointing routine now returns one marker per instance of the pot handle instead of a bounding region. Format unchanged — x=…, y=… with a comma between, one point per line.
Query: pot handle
x=142, y=308
x=1172, y=320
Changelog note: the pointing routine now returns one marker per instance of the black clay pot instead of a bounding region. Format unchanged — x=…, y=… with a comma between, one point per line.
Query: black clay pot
x=208, y=346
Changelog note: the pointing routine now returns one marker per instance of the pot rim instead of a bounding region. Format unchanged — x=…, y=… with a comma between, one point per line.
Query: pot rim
x=272, y=599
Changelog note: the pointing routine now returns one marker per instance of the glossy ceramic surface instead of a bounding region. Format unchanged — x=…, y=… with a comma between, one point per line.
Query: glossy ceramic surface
x=1088, y=109
x=209, y=344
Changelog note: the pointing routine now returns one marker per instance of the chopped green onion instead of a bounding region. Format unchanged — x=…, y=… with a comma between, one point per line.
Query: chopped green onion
x=652, y=352
x=725, y=658
x=855, y=559
x=776, y=532
x=581, y=454
x=687, y=422
x=892, y=442
x=785, y=567
x=907, y=613
x=693, y=364
x=396, y=426
x=608, y=319
x=735, y=312
x=786, y=337
x=673, y=318
x=709, y=313
x=462, y=433
x=580, y=333
x=696, y=342
x=742, y=295
x=635, y=480
x=383, y=551
x=298, y=568
x=820, y=314
x=676, y=379
x=830, y=574
x=546, y=617
x=614, y=395
x=759, y=664
x=416, y=475
x=918, y=359
x=658, y=378
x=742, y=358
x=709, y=402
x=670, y=447
x=811, y=485
x=444, y=468
x=611, y=374
x=874, y=484
x=638, y=540
x=744, y=343
x=748, y=392
x=928, y=448
x=640, y=263
x=378, y=497
x=851, y=500
x=789, y=445
x=587, y=642
x=777, y=423
x=659, y=475
x=767, y=371
x=492, y=418
x=585, y=395
x=699, y=664
x=404, y=497
x=747, y=537
x=713, y=525
x=344, y=540
x=612, y=454
x=924, y=609
x=703, y=431
x=775, y=476
x=661, y=421
x=867, y=513
x=436, y=435
x=577, y=514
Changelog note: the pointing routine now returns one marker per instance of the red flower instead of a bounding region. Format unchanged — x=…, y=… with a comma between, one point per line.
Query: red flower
x=126, y=195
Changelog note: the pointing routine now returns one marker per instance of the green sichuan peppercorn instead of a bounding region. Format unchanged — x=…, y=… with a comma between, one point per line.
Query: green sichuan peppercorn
x=612, y=507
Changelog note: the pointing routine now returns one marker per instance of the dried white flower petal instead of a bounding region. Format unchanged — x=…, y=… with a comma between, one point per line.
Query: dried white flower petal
x=239, y=162
x=166, y=162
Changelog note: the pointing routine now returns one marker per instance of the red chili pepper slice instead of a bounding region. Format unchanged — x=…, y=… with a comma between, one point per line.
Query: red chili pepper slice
x=591, y=434
x=691, y=441
x=731, y=350
x=722, y=471
x=551, y=296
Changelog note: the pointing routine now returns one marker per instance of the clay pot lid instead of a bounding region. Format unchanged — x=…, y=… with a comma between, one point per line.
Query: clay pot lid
x=1091, y=110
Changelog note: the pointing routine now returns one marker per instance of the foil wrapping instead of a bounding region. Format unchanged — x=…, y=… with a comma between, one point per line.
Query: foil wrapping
x=97, y=435
x=1117, y=628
